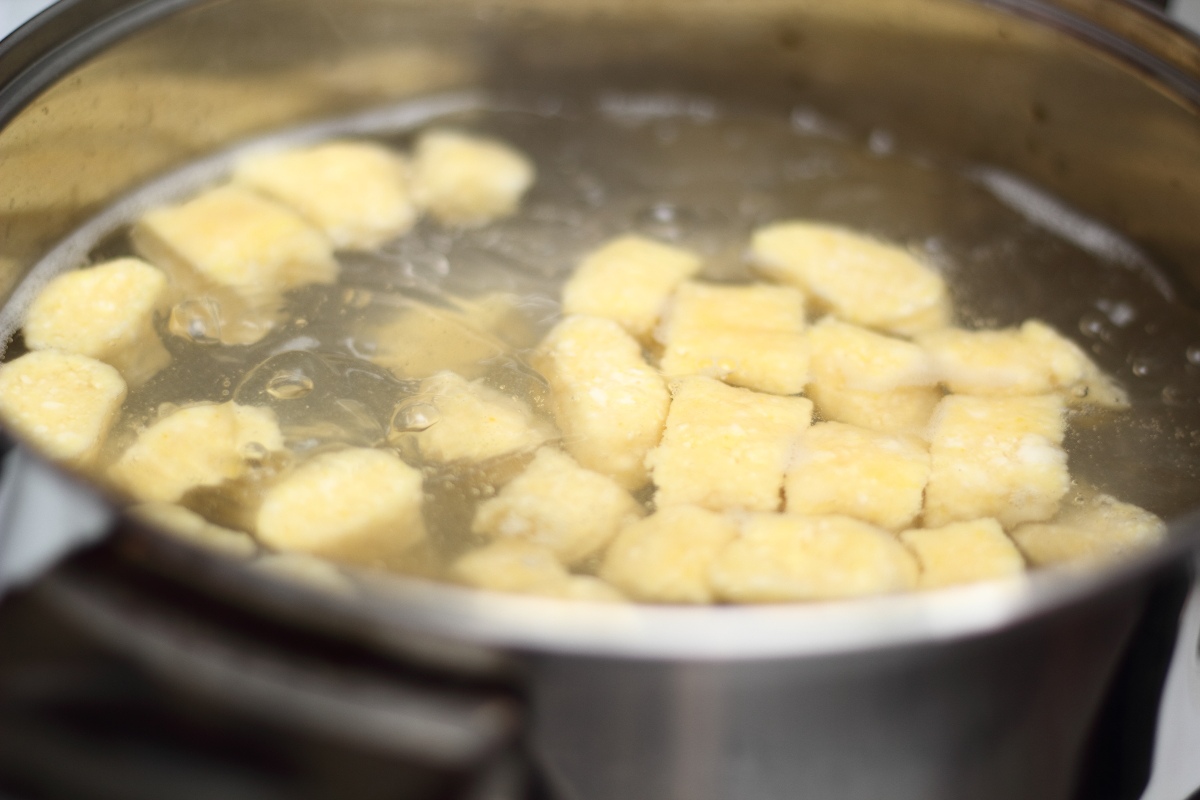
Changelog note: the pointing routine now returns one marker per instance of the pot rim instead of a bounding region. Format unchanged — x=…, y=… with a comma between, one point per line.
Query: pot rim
x=388, y=607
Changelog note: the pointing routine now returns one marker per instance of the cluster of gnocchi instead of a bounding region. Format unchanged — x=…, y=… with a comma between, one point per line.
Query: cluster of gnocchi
x=236, y=250
x=680, y=461
x=937, y=460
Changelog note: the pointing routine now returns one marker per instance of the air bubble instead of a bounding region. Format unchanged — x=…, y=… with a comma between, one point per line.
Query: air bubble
x=663, y=212
x=881, y=142
x=197, y=320
x=415, y=418
x=665, y=220
x=1095, y=326
x=1143, y=367
x=1118, y=312
x=289, y=384
x=1177, y=396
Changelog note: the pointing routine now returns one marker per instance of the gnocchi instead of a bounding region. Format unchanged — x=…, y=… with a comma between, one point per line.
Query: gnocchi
x=696, y=417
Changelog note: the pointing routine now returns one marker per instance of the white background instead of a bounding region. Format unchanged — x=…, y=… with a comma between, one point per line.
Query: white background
x=14, y=12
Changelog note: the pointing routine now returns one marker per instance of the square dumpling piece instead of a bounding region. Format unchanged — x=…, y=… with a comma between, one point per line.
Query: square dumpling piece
x=475, y=422
x=105, y=312
x=863, y=360
x=629, y=281
x=356, y=506
x=63, y=403
x=857, y=278
x=467, y=180
x=355, y=192
x=963, y=552
x=1091, y=528
x=726, y=448
x=557, y=504
x=523, y=568
x=870, y=380
x=788, y=557
x=200, y=445
x=609, y=403
x=1032, y=359
x=748, y=336
x=235, y=239
x=843, y=469
x=898, y=411
x=998, y=457
x=665, y=558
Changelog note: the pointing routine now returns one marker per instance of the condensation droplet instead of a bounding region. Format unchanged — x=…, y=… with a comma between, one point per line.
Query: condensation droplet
x=1119, y=312
x=663, y=212
x=1177, y=396
x=1193, y=354
x=1143, y=366
x=289, y=384
x=415, y=418
x=664, y=220
x=197, y=320
x=881, y=142
x=1095, y=326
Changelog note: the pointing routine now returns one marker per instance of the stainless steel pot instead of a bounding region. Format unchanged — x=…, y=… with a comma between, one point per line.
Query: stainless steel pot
x=982, y=692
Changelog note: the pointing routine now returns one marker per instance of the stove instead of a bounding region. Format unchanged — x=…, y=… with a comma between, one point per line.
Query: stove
x=115, y=685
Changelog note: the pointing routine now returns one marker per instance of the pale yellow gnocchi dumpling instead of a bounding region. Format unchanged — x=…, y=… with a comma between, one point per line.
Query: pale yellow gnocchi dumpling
x=790, y=557
x=747, y=336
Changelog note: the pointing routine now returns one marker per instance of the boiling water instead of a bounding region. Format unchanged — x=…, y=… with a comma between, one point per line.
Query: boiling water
x=687, y=172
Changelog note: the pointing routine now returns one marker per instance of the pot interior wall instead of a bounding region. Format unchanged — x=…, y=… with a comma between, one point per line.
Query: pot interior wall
x=957, y=78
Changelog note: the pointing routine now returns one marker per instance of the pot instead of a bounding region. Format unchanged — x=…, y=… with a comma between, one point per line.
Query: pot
x=984, y=692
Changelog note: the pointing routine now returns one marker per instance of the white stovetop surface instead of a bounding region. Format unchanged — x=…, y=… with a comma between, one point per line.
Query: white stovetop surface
x=15, y=12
